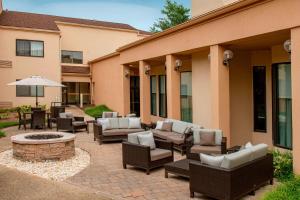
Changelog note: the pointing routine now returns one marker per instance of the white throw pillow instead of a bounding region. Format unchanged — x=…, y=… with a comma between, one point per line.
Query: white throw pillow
x=159, y=125
x=123, y=122
x=147, y=140
x=133, y=137
x=134, y=123
x=104, y=122
x=248, y=145
x=114, y=123
x=114, y=114
x=211, y=160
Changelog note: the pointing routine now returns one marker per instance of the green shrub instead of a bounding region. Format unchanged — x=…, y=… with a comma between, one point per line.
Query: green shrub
x=25, y=108
x=283, y=165
x=289, y=190
x=97, y=110
x=2, y=134
x=7, y=124
x=4, y=116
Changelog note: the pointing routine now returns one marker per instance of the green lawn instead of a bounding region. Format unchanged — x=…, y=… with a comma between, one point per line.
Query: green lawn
x=97, y=110
x=286, y=191
x=7, y=124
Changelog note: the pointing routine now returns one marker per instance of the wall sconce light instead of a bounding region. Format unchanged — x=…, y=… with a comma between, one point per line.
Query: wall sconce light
x=228, y=56
x=208, y=56
x=147, y=69
x=287, y=45
x=178, y=64
x=127, y=73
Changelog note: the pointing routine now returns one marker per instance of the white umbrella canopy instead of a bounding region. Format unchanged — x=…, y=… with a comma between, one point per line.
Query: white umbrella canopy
x=36, y=81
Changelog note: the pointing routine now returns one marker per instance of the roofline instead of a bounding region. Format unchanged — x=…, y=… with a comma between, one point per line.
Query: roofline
x=104, y=57
x=197, y=20
x=29, y=29
x=95, y=26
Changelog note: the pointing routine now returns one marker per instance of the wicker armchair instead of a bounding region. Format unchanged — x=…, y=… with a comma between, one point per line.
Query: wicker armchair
x=55, y=111
x=38, y=119
x=71, y=124
x=22, y=119
x=142, y=157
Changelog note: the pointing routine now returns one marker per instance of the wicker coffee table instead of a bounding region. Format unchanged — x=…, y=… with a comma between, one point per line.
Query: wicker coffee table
x=180, y=168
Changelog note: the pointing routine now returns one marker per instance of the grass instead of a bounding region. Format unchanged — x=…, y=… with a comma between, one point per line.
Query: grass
x=2, y=134
x=97, y=110
x=7, y=124
x=289, y=190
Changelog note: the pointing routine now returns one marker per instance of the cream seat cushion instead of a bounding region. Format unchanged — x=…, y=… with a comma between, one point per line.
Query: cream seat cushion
x=147, y=140
x=133, y=137
x=115, y=132
x=215, y=161
x=236, y=159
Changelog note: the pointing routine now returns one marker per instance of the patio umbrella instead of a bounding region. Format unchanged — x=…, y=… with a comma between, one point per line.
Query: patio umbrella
x=36, y=81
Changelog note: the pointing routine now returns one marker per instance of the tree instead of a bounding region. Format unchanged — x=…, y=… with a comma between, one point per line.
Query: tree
x=174, y=14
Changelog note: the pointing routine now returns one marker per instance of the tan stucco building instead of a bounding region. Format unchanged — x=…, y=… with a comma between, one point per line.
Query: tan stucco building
x=236, y=68
x=57, y=48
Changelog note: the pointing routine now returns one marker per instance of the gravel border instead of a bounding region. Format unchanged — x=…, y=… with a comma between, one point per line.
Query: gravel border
x=53, y=170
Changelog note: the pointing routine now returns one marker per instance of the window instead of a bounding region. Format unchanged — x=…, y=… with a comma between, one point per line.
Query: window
x=29, y=91
x=282, y=105
x=162, y=96
x=153, y=94
x=259, y=99
x=30, y=48
x=74, y=57
x=186, y=96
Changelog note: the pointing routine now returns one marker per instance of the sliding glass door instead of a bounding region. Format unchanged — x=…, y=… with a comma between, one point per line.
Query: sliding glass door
x=282, y=105
x=186, y=96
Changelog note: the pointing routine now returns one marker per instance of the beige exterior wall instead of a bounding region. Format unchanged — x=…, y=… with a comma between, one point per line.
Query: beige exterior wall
x=107, y=84
x=23, y=67
x=94, y=42
x=200, y=7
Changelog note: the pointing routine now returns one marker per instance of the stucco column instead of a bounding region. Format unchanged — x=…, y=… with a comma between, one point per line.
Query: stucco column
x=173, y=88
x=126, y=90
x=220, y=99
x=144, y=93
x=295, y=70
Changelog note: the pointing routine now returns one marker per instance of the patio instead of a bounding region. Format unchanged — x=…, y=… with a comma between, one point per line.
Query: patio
x=106, y=176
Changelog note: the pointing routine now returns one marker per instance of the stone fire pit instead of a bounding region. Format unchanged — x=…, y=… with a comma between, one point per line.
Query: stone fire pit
x=43, y=146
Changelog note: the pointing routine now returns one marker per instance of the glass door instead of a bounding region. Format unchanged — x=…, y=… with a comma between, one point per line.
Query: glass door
x=186, y=96
x=282, y=105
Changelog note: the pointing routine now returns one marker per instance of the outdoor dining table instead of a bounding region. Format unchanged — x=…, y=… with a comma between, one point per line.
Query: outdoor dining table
x=25, y=114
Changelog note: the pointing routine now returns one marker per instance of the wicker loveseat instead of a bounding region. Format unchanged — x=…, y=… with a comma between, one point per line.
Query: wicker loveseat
x=194, y=148
x=179, y=134
x=118, y=129
x=239, y=174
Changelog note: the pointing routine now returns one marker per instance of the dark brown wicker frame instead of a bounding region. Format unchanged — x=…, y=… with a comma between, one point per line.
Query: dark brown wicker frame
x=66, y=124
x=98, y=134
x=230, y=184
x=195, y=156
x=139, y=156
x=38, y=119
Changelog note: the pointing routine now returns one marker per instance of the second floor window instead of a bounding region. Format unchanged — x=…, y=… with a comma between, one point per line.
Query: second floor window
x=74, y=57
x=30, y=48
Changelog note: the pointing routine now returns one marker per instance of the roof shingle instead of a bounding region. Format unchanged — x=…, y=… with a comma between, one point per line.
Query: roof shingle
x=47, y=22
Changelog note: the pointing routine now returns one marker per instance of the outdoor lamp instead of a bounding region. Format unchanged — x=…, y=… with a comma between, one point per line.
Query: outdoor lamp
x=287, y=46
x=147, y=69
x=228, y=56
x=178, y=64
x=127, y=73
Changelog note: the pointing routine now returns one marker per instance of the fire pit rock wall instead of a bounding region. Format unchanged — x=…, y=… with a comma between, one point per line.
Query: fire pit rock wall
x=43, y=146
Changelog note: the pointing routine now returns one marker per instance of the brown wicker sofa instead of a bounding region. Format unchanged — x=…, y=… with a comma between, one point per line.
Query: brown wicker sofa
x=231, y=183
x=179, y=134
x=194, y=148
x=143, y=157
x=117, y=132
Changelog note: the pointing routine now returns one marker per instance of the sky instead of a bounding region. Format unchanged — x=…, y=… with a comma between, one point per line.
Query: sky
x=139, y=13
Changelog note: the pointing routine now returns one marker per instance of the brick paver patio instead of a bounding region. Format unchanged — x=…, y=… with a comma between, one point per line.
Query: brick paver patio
x=107, y=176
